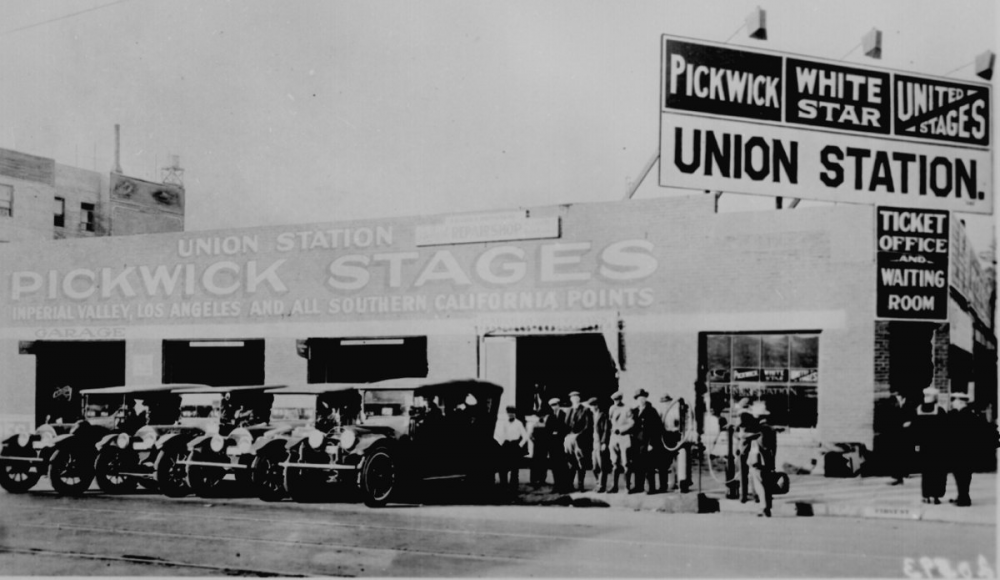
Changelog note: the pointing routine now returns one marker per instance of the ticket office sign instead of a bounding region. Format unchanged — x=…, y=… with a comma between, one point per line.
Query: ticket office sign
x=912, y=250
x=931, y=146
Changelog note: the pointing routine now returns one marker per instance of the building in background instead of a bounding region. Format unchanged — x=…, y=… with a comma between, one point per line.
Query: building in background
x=663, y=294
x=43, y=200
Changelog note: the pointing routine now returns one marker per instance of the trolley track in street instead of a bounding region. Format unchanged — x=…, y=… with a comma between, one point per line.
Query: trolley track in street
x=155, y=562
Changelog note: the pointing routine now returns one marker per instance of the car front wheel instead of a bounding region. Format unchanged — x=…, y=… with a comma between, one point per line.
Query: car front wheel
x=70, y=472
x=18, y=476
x=268, y=476
x=378, y=478
x=171, y=474
x=202, y=479
x=111, y=462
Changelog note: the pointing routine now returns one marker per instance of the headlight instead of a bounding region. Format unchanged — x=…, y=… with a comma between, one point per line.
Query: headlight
x=23, y=439
x=316, y=439
x=347, y=439
x=217, y=443
x=123, y=440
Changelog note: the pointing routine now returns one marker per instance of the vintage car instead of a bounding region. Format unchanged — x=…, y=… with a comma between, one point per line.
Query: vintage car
x=336, y=406
x=148, y=456
x=409, y=430
x=66, y=452
x=266, y=413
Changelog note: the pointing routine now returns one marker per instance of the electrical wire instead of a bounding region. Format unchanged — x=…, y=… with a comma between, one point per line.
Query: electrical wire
x=63, y=17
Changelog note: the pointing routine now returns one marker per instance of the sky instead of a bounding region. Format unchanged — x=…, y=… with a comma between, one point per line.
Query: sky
x=315, y=111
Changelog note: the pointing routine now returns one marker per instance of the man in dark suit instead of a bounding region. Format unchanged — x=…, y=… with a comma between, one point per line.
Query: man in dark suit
x=648, y=441
x=579, y=441
x=602, y=443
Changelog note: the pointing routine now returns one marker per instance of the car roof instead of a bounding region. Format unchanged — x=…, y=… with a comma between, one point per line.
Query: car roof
x=313, y=388
x=127, y=389
x=410, y=383
x=208, y=389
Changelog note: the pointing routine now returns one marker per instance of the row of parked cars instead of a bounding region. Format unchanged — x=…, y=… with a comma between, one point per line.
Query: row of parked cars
x=378, y=439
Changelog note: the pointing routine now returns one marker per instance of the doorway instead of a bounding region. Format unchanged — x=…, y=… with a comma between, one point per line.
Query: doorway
x=219, y=363
x=535, y=368
x=64, y=368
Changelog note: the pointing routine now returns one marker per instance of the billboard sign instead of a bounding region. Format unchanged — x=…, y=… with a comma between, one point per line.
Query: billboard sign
x=912, y=249
x=769, y=124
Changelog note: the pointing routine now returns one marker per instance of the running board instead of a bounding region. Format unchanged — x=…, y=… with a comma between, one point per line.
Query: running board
x=213, y=464
x=25, y=459
x=326, y=466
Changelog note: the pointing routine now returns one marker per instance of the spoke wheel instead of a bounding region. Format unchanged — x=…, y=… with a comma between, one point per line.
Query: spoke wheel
x=378, y=478
x=18, y=476
x=201, y=479
x=171, y=475
x=268, y=476
x=70, y=472
x=111, y=462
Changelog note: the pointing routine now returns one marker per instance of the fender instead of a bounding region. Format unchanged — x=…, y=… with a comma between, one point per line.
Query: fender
x=291, y=442
x=371, y=441
x=199, y=441
x=270, y=445
x=105, y=440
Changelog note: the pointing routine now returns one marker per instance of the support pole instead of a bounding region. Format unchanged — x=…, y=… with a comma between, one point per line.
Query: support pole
x=645, y=171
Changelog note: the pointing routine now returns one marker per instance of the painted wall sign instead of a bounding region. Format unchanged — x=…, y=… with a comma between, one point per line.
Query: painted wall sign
x=765, y=123
x=912, y=249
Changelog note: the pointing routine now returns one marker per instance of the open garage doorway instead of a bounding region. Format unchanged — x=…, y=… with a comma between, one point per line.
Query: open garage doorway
x=64, y=368
x=554, y=365
x=219, y=363
x=365, y=359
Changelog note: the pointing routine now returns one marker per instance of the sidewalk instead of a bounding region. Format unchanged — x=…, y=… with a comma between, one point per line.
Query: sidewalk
x=809, y=495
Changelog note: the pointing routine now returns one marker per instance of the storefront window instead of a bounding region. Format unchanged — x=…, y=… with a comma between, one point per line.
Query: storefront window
x=779, y=369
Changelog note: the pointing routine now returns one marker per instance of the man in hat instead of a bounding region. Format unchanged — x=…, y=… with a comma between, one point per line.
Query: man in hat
x=622, y=424
x=513, y=439
x=579, y=441
x=540, y=444
x=930, y=430
x=746, y=424
x=763, y=446
x=648, y=441
x=965, y=429
x=557, y=431
x=894, y=438
x=602, y=443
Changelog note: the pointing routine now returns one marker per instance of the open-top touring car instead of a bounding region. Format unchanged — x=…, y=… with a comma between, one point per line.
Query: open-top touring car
x=336, y=406
x=149, y=456
x=67, y=452
x=268, y=412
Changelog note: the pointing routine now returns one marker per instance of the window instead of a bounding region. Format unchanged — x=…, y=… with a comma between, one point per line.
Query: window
x=780, y=369
x=6, y=200
x=87, y=217
x=60, y=215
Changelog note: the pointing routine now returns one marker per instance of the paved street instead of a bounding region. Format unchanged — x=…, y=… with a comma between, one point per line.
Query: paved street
x=147, y=534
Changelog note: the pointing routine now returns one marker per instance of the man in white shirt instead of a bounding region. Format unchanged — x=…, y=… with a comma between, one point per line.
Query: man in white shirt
x=513, y=439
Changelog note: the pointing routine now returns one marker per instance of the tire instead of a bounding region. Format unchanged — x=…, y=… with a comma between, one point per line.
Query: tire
x=111, y=461
x=379, y=477
x=171, y=475
x=70, y=472
x=268, y=476
x=18, y=476
x=200, y=479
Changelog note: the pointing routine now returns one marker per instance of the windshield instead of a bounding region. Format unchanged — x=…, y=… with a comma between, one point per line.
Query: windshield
x=97, y=407
x=199, y=405
x=293, y=407
x=386, y=403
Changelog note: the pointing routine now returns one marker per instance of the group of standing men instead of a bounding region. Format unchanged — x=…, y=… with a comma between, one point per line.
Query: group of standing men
x=943, y=441
x=638, y=441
